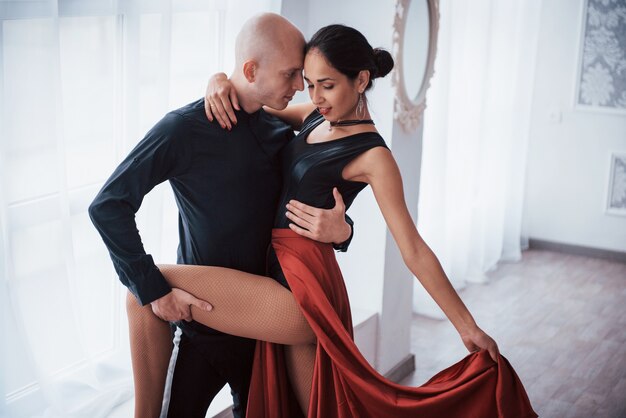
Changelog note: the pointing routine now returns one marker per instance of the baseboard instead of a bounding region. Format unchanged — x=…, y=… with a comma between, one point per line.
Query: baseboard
x=402, y=369
x=538, y=244
x=396, y=374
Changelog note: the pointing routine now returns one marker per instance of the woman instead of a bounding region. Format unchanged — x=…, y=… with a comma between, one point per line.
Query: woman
x=308, y=362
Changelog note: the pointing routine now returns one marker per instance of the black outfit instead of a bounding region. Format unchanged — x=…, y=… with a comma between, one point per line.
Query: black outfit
x=226, y=185
x=310, y=171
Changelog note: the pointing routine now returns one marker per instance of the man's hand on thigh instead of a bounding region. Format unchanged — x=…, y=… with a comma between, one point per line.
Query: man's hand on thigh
x=176, y=306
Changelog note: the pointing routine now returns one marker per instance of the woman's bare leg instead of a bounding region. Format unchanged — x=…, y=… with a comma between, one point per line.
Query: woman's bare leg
x=300, y=365
x=150, y=350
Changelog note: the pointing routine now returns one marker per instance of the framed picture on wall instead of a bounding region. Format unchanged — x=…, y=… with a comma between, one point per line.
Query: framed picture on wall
x=616, y=196
x=601, y=75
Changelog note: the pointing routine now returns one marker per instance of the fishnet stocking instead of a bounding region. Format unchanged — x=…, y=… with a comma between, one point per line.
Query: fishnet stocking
x=150, y=350
x=244, y=304
x=300, y=365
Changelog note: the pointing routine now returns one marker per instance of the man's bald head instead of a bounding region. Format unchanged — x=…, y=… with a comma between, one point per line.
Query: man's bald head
x=265, y=35
x=268, y=62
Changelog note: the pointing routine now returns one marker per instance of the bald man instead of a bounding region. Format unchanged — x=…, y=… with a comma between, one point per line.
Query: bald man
x=226, y=184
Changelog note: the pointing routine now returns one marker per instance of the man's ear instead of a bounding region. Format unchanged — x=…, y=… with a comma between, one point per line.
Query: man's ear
x=363, y=78
x=249, y=70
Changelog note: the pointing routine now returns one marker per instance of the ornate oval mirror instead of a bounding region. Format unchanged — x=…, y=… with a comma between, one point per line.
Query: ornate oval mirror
x=416, y=24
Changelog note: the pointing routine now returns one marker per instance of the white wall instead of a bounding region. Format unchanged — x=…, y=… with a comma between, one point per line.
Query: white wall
x=569, y=150
x=298, y=13
x=375, y=275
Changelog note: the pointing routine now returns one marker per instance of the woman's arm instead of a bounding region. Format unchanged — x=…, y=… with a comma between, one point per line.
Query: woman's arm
x=378, y=168
x=294, y=114
x=221, y=97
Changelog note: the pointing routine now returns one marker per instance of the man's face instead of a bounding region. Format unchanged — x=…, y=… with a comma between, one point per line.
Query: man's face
x=279, y=78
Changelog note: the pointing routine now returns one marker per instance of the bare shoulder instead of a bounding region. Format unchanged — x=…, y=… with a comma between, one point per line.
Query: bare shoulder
x=371, y=164
x=378, y=154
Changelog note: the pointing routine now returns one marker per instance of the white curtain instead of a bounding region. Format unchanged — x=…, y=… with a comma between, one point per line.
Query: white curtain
x=476, y=132
x=81, y=82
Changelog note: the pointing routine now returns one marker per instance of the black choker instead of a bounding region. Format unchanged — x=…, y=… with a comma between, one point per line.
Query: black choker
x=351, y=122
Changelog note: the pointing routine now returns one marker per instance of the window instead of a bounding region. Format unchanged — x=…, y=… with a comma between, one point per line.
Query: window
x=82, y=81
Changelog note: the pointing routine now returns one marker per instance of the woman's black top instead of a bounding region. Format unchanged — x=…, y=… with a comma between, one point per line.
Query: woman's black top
x=310, y=171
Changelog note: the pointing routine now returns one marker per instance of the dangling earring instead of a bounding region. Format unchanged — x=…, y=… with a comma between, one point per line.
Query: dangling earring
x=359, y=107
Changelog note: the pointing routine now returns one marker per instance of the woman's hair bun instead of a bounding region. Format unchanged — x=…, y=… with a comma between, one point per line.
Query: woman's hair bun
x=347, y=50
x=384, y=62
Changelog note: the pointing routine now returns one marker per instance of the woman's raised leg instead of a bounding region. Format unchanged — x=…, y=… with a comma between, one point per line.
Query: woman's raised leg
x=255, y=307
x=244, y=304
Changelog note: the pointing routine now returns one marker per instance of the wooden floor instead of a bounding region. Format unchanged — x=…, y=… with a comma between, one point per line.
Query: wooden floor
x=561, y=322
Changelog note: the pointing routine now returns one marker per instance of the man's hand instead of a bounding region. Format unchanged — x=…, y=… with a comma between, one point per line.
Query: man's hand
x=219, y=99
x=323, y=225
x=176, y=305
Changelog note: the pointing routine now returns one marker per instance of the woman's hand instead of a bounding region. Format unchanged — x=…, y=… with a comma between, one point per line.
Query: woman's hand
x=219, y=99
x=476, y=339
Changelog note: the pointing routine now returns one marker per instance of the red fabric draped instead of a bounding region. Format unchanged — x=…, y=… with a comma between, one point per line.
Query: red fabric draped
x=344, y=384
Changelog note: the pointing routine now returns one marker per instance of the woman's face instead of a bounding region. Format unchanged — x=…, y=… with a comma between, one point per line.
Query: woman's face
x=334, y=94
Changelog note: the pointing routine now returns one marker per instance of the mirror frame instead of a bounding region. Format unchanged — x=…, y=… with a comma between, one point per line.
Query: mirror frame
x=409, y=111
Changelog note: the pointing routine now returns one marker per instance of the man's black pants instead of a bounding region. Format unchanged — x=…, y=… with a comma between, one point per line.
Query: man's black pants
x=205, y=363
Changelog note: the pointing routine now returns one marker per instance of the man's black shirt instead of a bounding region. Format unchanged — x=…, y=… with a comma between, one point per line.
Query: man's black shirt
x=226, y=185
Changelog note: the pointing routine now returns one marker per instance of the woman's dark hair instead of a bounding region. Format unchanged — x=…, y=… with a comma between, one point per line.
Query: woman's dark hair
x=347, y=50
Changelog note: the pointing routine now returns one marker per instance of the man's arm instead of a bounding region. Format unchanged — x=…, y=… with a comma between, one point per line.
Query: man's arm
x=155, y=159
x=324, y=225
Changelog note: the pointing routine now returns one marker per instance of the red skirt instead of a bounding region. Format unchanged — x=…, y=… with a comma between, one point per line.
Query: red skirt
x=344, y=384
